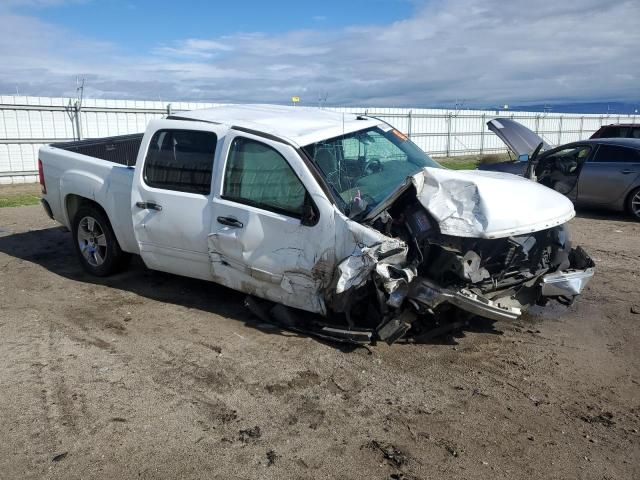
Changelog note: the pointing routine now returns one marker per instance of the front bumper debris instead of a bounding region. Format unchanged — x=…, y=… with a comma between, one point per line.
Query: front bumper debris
x=432, y=296
x=566, y=284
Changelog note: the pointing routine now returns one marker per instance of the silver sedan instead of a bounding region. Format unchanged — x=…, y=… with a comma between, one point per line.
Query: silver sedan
x=603, y=172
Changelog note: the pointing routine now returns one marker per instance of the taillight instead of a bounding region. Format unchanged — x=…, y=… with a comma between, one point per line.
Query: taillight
x=41, y=177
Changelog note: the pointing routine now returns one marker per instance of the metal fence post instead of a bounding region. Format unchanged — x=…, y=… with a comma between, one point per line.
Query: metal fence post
x=560, y=131
x=168, y=109
x=448, y=150
x=78, y=109
x=482, y=125
x=581, y=126
x=409, y=125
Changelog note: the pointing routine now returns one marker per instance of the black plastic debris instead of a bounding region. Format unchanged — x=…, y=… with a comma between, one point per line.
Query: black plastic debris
x=59, y=456
x=271, y=457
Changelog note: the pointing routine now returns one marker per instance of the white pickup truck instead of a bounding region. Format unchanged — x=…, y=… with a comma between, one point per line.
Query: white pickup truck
x=308, y=210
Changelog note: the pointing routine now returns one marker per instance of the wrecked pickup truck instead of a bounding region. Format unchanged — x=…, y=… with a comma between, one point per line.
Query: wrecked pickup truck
x=316, y=212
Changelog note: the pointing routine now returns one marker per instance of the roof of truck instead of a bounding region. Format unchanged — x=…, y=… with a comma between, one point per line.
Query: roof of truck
x=300, y=125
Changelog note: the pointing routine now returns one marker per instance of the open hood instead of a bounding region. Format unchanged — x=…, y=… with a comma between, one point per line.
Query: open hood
x=483, y=204
x=516, y=136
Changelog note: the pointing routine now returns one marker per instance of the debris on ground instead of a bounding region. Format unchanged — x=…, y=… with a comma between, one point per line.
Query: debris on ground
x=402, y=476
x=449, y=447
x=604, y=418
x=393, y=454
x=250, y=433
x=59, y=456
x=635, y=309
x=271, y=457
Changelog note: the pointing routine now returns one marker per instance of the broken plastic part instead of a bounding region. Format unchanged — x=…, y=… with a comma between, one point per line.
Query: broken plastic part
x=396, y=328
x=566, y=284
x=432, y=296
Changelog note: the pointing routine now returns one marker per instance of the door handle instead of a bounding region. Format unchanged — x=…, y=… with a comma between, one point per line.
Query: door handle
x=230, y=222
x=148, y=206
x=626, y=171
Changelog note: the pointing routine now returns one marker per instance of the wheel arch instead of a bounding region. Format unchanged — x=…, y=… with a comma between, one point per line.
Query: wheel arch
x=635, y=190
x=73, y=202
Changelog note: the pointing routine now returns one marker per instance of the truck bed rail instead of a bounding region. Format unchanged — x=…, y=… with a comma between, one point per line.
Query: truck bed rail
x=122, y=149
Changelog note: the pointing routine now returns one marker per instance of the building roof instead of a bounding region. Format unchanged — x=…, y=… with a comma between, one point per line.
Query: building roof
x=299, y=125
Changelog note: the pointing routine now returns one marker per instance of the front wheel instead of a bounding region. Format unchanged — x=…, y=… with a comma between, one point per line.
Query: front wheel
x=95, y=243
x=633, y=203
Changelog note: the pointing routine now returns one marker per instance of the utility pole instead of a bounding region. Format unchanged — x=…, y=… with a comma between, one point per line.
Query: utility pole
x=74, y=109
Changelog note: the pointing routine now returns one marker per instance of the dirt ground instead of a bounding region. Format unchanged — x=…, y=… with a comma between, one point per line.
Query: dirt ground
x=148, y=375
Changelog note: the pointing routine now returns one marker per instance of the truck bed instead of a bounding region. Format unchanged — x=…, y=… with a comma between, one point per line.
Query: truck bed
x=122, y=149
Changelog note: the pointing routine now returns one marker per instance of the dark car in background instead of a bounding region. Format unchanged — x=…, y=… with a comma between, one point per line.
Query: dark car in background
x=621, y=130
x=602, y=172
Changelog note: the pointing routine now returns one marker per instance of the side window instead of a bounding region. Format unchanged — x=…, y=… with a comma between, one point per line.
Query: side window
x=573, y=153
x=257, y=175
x=180, y=160
x=614, y=153
x=635, y=133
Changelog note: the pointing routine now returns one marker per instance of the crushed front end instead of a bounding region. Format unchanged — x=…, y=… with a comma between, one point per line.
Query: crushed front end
x=420, y=283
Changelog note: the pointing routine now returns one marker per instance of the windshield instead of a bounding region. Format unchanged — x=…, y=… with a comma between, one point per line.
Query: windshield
x=366, y=166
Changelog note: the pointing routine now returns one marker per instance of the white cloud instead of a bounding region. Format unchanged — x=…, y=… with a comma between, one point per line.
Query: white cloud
x=194, y=47
x=486, y=52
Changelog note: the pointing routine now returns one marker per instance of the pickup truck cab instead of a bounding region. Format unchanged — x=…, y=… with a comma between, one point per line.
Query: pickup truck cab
x=333, y=214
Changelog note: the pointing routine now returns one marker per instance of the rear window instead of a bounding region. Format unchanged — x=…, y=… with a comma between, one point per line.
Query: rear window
x=618, y=131
x=614, y=153
x=181, y=160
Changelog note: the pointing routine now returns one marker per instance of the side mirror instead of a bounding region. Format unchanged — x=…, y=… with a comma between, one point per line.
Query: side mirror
x=309, y=215
x=523, y=158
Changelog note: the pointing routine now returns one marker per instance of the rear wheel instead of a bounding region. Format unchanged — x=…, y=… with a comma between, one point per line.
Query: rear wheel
x=95, y=243
x=633, y=203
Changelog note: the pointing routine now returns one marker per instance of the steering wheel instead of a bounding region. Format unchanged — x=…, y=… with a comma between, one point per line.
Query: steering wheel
x=375, y=165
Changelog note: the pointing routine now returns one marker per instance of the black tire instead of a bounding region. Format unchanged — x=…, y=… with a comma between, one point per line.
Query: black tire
x=633, y=203
x=95, y=243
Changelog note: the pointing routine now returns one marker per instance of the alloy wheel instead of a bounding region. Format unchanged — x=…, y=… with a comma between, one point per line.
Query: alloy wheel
x=635, y=204
x=92, y=241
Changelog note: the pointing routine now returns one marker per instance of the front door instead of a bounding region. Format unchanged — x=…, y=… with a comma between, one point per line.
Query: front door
x=273, y=232
x=171, y=197
x=608, y=175
x=560, y=168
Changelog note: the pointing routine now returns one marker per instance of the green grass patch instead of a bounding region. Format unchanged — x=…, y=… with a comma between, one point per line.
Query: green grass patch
x=471, y=162
x=458, y=164
x=18, y=200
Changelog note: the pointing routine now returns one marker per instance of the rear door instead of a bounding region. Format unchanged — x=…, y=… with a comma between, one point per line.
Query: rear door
x=171, y=196
x=608, y=175
x=273, y=229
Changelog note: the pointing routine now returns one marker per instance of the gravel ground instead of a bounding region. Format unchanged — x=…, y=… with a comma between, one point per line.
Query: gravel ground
x=149, y=375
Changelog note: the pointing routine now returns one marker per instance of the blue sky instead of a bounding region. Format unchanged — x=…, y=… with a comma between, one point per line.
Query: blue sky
x=135, y=24
x=355, y=52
